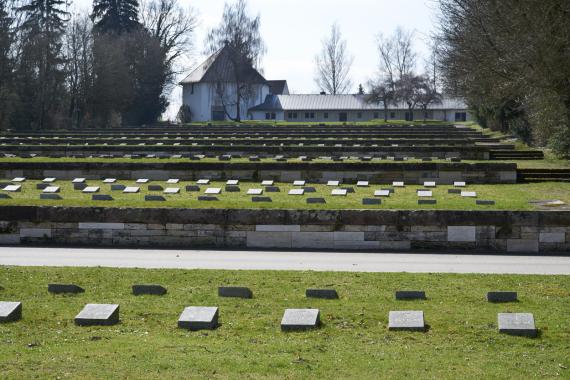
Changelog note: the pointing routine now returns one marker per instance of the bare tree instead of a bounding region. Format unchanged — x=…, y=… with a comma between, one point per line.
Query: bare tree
x=238, y=43
x=383, y=92
x=397, y=57
x=333, y=64
x=409, y=89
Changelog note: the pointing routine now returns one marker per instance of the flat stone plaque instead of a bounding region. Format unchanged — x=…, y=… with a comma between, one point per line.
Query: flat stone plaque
x=338, y=192
x=272, y=189
x=5, y=196
x=316, y=200
x=481, y=202
x=172, y=190
x=502, y=296
x=18, y=179
x=321, y=293
x=235, y=291
x=362, y=184
x=309, y=189
x=267, y=182
x=78, y=180
x=232, y=189
x=232, y=182
x=427, y=201
x=300, y=319
x=49, y=180
x=425, y=193
x=192, y=188
x=406, y=320
x=91, y=189
x=154, y=198
x=50, y=197
x=261, y=199
x=296, y=191
x=51, y=189
x=13, y=188
x=520, y=324
x=207, y=198
x=131, y=189
x=453, y=191
x=118, y=187
x=469, y=194
x=255, y=192
x=199, y=318
x=153, y=290
x=459, y=184
x=382, y=193
x=429, y=184
x=299, y=183
x=142, y=180
x=98, y=315
x=333, y=183
x=172, y=181
x=398, y=184
x=410, y=295
x=203, y=181
x=371, y=201
x=101, y=197
x=155, y=188
x=10, y=311
x=76, y=186
x=213, y=190
x=109, y=180
x=65, y=288
x=41, y=186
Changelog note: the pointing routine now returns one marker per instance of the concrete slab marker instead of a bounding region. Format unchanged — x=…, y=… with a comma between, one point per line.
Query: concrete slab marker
x=409, y=320
x=300, y=319
x=98, y=315
x=321, y=293
x=196, y=318
x=235, y=291
x=410, y=295
x=501, y=296
x=10, y=311
x=65, y=288
x=519, y=324
x=148, y=289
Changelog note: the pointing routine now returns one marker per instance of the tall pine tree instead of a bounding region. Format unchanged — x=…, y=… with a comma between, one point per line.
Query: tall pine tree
x=7, y=95
x=115, y=16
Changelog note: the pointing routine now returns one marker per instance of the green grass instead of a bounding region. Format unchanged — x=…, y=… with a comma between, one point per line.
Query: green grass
x=462, y=341
x=507, y=197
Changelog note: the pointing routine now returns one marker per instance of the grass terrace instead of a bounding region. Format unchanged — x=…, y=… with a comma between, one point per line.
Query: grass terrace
x=353, y=342
x=506, y=197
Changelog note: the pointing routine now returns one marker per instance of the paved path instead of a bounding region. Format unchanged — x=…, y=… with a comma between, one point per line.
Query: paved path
x=318, y=261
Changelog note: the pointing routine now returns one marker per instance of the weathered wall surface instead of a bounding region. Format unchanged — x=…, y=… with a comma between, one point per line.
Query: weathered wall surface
x=376, y=230
x=443, y=173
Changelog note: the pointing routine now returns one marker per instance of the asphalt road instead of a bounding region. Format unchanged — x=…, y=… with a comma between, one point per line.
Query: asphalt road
x=280, y=260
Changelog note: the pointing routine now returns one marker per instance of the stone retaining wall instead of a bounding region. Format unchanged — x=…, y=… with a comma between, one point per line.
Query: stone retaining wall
x=375, y=230
x=443, y=173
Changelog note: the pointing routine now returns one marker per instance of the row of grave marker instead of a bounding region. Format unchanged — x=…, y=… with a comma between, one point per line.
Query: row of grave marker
x=206, y=317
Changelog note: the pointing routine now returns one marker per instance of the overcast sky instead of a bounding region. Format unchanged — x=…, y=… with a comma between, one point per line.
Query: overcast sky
x=293, y=31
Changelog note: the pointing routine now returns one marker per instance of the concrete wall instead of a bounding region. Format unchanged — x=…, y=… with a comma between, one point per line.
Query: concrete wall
x=375, y=230
x=282, y=172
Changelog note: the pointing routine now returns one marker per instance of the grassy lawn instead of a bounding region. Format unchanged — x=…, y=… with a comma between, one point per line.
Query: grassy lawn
x=462, y=341
x=507, y=197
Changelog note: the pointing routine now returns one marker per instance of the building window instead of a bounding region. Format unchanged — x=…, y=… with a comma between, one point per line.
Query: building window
x=392, y=115
x=375, y=115
x=312, y=115
x=309, y=115
x=267, y=116
x=359, y=115
x=273, y=116
x=326, y=115
x=192, y=88
x=292, y=115
x=461, y=116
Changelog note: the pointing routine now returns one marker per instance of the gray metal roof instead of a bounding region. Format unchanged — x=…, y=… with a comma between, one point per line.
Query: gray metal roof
x=339, y=102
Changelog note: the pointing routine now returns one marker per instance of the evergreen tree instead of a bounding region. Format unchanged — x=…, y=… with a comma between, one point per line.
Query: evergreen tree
x=115, y=16
x=7, y=95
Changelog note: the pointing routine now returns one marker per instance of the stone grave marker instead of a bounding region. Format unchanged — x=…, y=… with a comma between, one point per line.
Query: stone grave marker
x=196, y=318
x=409, y=320
x=296, y=191
x=267, y=182
x=65, y=288
x=145, y=289
x=42, y=186
x=131, y=189
x=502, y=297
x=429, y=184
x=18, y=179
x=5, y=196
x=78, y=180
x=427, y=201
x=272, y=189
x=333, y=183
x=155, y=188
x=232, y=182
x=519, y=324
x=192, y=188
x=171, y=190
x=362, y=184
x=10, y=311
x=232, y=189
x=101, y=197
x=398, y=184
x=459, y=184
x=481, y=202
x=425, y=193
x=51, y=190
x=321, y=293
x=109, y=180
x=50, y=197
x=118, y=187
x=300, y=319
x=91, y=189
x=13, y=188
x=77, y=186
x=339, y=192
x=213, y=190
x=172, y=181
x=316, y=200
x=98, y=315
x=299, y=183
x=309, y=189
x=254, y=191
x=203, y=181
x=207, y=198
x=235, y=291
x=382, y=193
x=49, y=180
x=469, y=194
x=371, y=201
x=454, y=191
x=154, y=198
x=142, y=180
x=410, y=295
x=349, y=189
x=261, y=199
